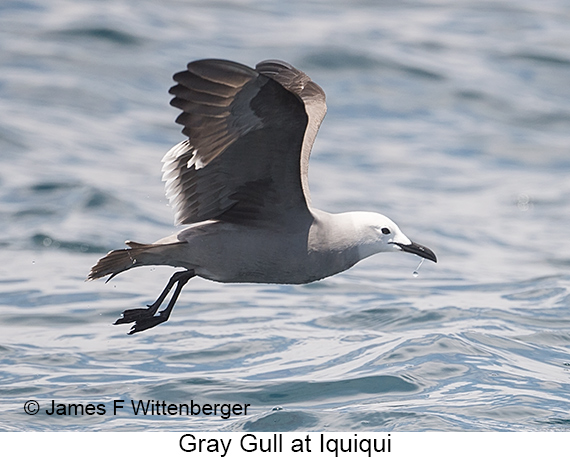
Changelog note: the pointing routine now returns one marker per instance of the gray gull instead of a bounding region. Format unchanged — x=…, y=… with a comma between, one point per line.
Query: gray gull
x=240, y=183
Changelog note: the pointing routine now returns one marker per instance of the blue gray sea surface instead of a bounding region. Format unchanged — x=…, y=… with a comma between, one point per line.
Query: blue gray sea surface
x=450, y=117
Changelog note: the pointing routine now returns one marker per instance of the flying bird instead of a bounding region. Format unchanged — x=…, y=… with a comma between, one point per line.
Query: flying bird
x=240, y=183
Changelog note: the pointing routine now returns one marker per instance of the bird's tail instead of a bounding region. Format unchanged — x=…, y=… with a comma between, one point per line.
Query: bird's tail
x=136, y=255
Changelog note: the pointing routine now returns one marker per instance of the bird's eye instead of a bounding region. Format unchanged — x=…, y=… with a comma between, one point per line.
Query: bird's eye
x=385, y=231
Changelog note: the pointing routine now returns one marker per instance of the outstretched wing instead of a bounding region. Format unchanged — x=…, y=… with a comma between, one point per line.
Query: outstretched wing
x=314, y=99
x=250, y=133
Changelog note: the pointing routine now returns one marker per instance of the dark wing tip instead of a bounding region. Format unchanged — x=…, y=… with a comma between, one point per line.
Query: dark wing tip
x=293, y=80
x=222, y=71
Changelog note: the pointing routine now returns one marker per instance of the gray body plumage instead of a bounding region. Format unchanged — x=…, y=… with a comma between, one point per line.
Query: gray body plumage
x=324, y=245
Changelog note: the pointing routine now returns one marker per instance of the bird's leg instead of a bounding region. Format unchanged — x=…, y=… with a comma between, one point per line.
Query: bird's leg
x=145, y=318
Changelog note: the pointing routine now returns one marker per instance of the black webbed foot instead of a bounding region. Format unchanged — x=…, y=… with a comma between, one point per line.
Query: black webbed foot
x=132, y=315
x=145, y=322
x=145, y=318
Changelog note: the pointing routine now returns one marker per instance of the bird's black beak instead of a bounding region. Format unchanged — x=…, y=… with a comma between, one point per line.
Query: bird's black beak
x=418, y=250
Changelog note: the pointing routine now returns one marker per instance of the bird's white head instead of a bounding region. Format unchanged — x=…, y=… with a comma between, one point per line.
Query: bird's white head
x=378, y=233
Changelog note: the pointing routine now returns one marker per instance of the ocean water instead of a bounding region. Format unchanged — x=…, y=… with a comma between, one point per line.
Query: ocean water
x=450, y=117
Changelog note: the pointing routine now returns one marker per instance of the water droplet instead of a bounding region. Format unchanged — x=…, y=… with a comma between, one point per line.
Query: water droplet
x=417, y=270
x=524, y=202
